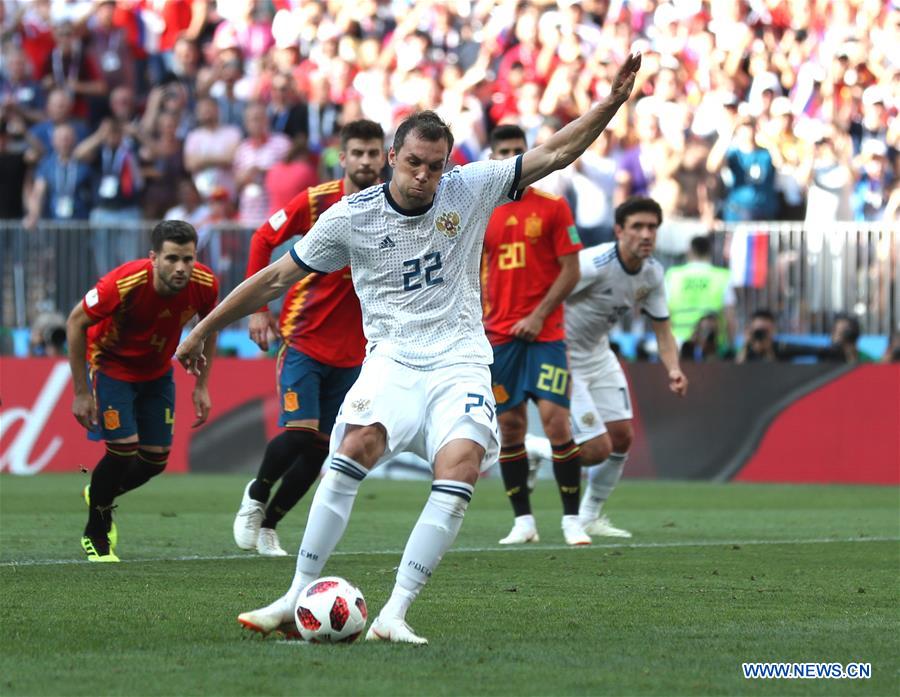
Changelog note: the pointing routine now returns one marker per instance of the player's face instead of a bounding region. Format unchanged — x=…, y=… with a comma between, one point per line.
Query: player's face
x=637, y=237
x=363, y=161
x=418, y=167
x=172, y=266
x=509, y=148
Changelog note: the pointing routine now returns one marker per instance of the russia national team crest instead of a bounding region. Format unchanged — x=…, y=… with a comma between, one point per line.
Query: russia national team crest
x=111, y=419
x=641, y=294
x=588, y=419
x=448, y=224
x=361, y=406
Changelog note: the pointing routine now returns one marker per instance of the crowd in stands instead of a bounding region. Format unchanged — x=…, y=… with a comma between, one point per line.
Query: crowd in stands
x=114, y=110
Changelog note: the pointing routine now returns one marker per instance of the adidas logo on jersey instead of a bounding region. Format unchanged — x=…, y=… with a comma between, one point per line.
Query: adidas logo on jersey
x=387, y=243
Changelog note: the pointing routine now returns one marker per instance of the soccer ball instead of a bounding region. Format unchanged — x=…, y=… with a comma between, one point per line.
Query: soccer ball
x=330, y=610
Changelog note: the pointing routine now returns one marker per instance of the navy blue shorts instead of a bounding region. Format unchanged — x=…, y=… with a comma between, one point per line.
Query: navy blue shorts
x=309, y=389
x=536, y=369
x=128, y=408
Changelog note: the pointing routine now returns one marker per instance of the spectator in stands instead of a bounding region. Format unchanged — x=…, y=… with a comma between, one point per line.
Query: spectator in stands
x=294, y=173
x=255, y=156
x=286, y=114
x=190, y=207
x=59, y=111
x=226, y=83
x=108, y=47
x=830, y=180
x=62, y=184
x=696, y=289
x=72, y=68
x=117, y=189
x=209, y=149
x=873, y=181
x=13, y=167
x=748, y=173
x=162, y=155
x=21, y=97
x=594, y=187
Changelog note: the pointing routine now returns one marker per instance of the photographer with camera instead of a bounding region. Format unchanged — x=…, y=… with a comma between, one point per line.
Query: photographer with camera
x=759, y=342
x=703, y=344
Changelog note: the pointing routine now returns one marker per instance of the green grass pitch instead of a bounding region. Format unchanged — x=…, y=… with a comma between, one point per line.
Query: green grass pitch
x=715, y=575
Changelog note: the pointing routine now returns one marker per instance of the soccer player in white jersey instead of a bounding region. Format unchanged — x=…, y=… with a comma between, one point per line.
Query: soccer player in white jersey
x=616, y=278
x=414, y=249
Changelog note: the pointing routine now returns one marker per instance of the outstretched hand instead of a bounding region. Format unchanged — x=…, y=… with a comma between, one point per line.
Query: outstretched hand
x=623, y=82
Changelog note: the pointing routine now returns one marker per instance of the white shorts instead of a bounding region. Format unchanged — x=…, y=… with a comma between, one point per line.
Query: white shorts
x=597, y=398
x=422, y=410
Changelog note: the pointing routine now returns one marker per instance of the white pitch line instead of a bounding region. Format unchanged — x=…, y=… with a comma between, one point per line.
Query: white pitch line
x=478, y=550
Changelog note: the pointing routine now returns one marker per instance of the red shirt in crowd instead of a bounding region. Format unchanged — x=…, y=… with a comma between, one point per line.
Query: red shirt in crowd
x=139, y=329
x=320, y=316
x=522, y=245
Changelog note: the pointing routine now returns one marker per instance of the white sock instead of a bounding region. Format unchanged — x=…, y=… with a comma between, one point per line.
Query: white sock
x=327, y=520
x=602, y=479
x=432, y=536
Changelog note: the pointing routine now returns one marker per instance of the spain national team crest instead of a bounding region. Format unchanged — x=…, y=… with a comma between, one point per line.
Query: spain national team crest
x=533, y=227
x=448, y=224
x=291, y=401
x=641, y=294
x=501, y=396
x=111, y=420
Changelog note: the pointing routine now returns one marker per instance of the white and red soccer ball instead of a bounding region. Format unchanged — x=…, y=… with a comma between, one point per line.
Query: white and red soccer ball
x=330, y=610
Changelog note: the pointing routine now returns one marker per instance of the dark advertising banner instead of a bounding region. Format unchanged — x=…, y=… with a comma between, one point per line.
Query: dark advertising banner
x=776, y=423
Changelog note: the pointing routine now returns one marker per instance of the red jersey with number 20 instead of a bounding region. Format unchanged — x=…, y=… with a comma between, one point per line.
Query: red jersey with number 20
x=138, y=328
x=522, y=245
x=320, y=316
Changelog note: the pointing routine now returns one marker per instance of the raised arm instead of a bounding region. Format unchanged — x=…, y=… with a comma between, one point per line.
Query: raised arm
x=568, y=143
x=248, y=297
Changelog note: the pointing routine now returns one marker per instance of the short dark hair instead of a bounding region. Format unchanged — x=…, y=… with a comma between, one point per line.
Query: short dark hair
x=853, y=330
x=763, y=313
x=638, y=204
x=701, y=246
x=507, y=132
x=362, y=129
x=425, y=124
x=176, y=231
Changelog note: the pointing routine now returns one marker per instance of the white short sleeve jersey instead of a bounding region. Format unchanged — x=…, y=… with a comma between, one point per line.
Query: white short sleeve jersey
x=606, y=292
x=417, y=273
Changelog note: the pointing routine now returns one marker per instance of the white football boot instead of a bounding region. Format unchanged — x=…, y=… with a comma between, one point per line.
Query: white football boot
x=573, y=531
x=393, y=629
x=269, y=618
x=268, y=544
x=248, y=520
x=523, y=530
x=601, y=527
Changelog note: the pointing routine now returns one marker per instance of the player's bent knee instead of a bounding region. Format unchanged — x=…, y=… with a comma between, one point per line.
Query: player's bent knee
x=365, y=444
x=596, y=450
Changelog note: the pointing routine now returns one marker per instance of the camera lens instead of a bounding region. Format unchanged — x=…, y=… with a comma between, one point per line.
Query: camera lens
x=759, y=334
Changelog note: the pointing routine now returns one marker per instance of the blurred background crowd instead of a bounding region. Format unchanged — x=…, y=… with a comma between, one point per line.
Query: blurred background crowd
x=746, y=110
x=211, y=111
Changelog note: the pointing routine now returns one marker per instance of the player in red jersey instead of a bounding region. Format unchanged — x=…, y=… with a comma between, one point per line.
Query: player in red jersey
x=323, y=347
x=124, y=331
x=530, y=265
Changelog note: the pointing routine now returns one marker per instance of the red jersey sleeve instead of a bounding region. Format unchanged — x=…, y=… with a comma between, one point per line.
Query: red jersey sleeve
x=565, y=234
x=104, y=298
